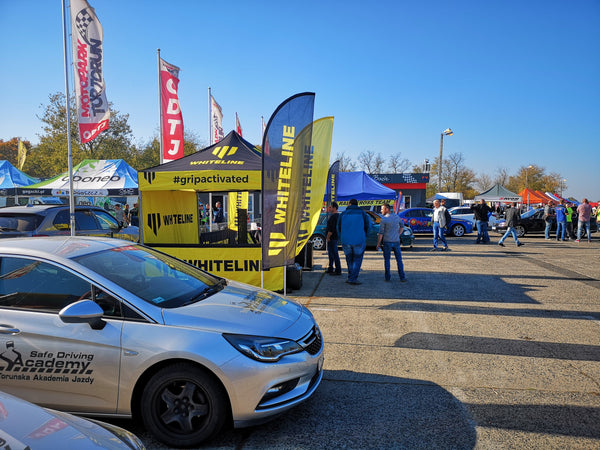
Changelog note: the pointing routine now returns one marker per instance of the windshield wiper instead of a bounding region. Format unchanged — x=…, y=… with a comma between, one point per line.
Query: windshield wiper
x=210, y=290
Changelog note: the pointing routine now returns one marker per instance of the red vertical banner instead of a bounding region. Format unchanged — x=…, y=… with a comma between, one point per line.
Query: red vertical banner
x=172, y=119
x=90, y=90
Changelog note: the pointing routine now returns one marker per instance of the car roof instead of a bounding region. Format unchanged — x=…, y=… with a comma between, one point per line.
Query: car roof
x=35, y=209
x=59, y=247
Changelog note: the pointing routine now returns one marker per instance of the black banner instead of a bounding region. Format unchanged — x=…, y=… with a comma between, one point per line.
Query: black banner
x=282, y=178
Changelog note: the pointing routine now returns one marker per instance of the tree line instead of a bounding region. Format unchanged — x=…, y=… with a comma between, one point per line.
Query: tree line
x=48, y=158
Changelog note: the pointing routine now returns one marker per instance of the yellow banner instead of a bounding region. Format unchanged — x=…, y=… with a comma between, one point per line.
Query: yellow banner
x=170, y=217
x=202, y=180
x=21, y=155
x=316, y=178
x=237, y=200
x=240, y=264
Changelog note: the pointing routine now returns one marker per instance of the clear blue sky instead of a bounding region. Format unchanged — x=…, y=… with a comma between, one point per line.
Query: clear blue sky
x=517, y=81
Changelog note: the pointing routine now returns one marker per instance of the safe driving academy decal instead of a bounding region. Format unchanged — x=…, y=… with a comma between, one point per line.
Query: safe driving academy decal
x=62, y=367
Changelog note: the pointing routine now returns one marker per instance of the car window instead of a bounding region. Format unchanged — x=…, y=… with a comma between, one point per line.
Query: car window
x=106, y=221
x=413, y=213
x=428, y=213
x=19, y=222
x=85, y=220
x=37, y=285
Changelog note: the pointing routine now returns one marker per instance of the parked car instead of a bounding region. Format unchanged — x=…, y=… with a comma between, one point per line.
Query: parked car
x=54, y=220
x=466, y=213
x=102, y=326
x=420, y=220
x=319, y=237
x=24, y=425
x=533, y=221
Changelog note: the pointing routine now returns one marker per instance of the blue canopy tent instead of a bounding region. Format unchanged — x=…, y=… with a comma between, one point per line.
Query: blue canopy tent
x=11, y=178
x=361, y=186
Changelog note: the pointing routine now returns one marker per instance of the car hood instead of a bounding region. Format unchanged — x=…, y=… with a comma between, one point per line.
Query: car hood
x=243, y=309
x=24, y=425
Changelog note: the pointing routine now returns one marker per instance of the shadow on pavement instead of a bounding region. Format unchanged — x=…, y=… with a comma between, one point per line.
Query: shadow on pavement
x=497, y=346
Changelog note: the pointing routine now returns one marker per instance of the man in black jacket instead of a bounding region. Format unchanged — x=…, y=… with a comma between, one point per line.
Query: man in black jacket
x=481, y=213
x=513, y=217
x=335, y=267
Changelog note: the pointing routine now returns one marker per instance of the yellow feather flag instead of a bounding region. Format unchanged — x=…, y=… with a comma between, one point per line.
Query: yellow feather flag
x=21, y=154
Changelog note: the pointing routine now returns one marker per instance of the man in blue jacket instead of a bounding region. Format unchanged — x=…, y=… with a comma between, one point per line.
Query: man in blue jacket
x=353, y=226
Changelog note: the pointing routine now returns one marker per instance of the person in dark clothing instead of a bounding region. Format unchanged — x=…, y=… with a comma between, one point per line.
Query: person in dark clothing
x=335, y=267
x=482, y=213
x=219, y=217
x=353, y=226
x=513, y=217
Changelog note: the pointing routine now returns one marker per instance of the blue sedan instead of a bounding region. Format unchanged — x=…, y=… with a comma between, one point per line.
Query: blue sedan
x=420, y=220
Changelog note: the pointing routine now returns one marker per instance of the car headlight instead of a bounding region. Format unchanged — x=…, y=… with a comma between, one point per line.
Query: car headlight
x=263, y=349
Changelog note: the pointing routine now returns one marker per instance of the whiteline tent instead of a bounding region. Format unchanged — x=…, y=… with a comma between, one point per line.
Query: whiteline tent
x=363, y=188
x=12, y=178
x=91, y=178
x=498, y=193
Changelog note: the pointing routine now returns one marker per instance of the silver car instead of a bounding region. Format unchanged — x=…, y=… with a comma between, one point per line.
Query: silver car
x=106, y=327
x=24, y=425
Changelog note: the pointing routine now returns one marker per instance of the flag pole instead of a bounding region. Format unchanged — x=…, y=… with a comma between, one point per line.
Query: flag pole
x=68, y=100
x=160, y=109
x=210, y=139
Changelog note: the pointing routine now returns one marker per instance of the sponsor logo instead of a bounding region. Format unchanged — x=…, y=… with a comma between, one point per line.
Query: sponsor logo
x=149, y=177
x=156, y=220
x=222, y=151
x=61, y=366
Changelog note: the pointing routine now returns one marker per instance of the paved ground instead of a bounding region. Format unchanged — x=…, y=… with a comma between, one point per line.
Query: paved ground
x=484, y=347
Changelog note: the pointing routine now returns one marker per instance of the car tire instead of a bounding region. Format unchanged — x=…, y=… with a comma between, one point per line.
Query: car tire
x=182, y=405
x=458, y=230
x=318, y=242
x=520, y=230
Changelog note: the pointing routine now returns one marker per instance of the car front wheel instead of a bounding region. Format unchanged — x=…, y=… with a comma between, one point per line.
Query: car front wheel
x=182, y=405
x=458, y=230
x=318, y=242
x=520, y=230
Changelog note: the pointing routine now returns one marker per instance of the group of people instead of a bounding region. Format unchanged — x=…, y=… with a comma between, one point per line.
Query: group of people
x=564, y=214
x=205, y=211
x=351, y=228
x=124, y=215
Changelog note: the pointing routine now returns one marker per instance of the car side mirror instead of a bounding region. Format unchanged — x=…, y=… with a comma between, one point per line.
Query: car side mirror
x=83, y=311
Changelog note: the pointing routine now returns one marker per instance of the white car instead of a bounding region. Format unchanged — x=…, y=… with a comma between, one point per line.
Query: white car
x=466, y=213
x=106, y=327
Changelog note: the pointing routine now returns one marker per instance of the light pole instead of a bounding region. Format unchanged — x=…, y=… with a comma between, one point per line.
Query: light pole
x=526, y=184
x=562, y=185
x=446, y=132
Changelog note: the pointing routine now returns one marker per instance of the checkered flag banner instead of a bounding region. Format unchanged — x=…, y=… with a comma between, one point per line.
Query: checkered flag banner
x=86, y=39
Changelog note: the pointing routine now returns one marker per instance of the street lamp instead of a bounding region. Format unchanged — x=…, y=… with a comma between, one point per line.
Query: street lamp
x=526, y=184
x=446, y=132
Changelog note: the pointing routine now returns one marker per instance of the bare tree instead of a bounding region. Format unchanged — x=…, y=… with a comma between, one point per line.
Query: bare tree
x=346, y=163
x=368, y=161
x=397, y=164
x=502, y=176
x=484, y=182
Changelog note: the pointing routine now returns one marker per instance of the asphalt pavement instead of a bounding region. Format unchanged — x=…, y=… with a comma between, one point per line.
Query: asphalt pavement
x=484, y=347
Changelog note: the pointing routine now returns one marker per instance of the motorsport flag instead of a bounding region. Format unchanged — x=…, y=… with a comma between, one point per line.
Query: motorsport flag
x=332, y=182
x=216, y=121
x=21, y=155
x=315, y=177
x=286, y=141
x=171, y=117
x=90, y=90
x=238, y=125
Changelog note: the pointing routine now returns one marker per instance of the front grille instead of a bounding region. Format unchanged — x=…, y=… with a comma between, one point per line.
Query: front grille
x=313, y=341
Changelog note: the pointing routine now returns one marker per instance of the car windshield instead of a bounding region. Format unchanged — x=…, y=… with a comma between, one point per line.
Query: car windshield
x=157, y=278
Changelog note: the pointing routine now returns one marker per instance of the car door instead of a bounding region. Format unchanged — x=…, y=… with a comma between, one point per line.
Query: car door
x=67, y=366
